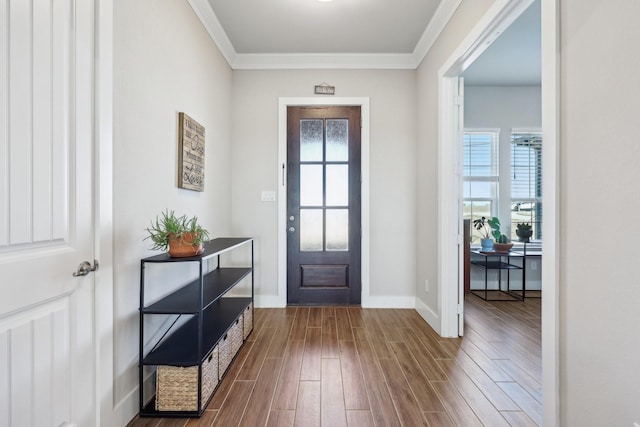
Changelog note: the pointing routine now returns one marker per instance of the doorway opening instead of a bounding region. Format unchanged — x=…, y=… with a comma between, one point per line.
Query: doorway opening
x=451, y=287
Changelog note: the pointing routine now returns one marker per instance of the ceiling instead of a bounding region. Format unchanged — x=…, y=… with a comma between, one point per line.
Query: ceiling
x=386, y=34
x=312, y=26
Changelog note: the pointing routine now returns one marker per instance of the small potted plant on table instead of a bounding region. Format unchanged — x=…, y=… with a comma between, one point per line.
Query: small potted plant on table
x=524, y=231
x=182, y=236
x=487, y=228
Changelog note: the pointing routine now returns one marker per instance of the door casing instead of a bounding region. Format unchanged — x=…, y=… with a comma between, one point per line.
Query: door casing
x=281, y=299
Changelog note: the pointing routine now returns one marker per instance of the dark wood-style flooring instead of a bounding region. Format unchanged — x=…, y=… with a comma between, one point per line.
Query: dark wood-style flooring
x=349, y=366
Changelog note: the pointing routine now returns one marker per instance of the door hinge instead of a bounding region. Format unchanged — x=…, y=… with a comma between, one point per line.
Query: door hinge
x=459, y=100
x=460, y=309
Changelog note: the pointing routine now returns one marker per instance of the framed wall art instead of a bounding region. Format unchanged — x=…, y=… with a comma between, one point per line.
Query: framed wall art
x=191, y=153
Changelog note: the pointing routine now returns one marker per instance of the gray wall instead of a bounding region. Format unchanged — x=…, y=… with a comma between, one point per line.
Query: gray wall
x=392, y=167
x=599, y=202
x=164, y=63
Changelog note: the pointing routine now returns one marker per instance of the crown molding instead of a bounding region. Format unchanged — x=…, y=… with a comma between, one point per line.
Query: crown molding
x=440, y=18
x=386, y=61
x=324, y=61
x=212, y=25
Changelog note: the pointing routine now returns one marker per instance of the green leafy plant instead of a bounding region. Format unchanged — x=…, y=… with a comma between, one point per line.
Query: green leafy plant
x=502, y=238
x=487, y=227
x=169, y=226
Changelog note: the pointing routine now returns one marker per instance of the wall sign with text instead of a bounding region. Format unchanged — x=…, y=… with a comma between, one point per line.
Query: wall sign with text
x=191, y=153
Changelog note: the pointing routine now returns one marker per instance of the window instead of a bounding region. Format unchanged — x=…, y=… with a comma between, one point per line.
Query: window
x=526, y=181
x=480, y=170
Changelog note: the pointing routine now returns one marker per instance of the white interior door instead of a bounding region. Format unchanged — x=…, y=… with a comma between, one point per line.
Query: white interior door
x=47, y=340
x=459, y=173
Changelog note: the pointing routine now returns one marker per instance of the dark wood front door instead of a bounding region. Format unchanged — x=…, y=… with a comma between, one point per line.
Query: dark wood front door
x=323, y=208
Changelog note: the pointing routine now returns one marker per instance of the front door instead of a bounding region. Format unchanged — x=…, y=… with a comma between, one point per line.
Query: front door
x=323, y=207
x=47, y=113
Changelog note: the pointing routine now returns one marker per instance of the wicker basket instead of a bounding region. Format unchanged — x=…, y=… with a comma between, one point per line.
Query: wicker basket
x=225, y=354
x=247, y=317
x=177, y=386
x=235, y=332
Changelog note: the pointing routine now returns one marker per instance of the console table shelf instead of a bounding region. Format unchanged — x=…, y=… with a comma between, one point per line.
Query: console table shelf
x=498, y=261
x=207, y=330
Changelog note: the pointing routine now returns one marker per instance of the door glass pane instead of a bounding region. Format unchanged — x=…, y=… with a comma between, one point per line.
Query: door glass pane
x=310, y=185
x=337, y=229
x=310, y=230
x=311, y=140
x=337, y=140
x=337, y=185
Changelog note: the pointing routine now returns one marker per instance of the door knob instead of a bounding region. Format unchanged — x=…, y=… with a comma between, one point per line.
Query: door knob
x=291, y=229
x=85, y=268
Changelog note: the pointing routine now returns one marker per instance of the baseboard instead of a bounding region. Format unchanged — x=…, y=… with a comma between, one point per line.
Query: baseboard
x=126, y=409
x=388, y=302
x=430, y=316
x=267, y=301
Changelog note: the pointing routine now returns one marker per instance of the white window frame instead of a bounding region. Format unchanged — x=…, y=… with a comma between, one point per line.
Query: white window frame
x=534, y=199
x=495, y=200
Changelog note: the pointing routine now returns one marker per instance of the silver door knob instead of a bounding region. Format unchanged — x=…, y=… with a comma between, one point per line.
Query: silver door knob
x=291, y=229
x=85, y=268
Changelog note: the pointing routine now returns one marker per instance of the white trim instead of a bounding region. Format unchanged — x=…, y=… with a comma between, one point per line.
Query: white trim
x=283, y=103
x=389, y=301
x=493, y=23
x=296, y=61
x=430, y=316
x=267, y=301
x=212, y=25
x=440, y=18
x=551, y=212
x=497, y=18
x=448, y=215
x=103, y=214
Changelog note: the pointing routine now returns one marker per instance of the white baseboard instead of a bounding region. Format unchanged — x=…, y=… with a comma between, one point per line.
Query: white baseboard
x=126, y=409
x=273, y=301
x=267, y=301
x=430, y=316
x=388, y=302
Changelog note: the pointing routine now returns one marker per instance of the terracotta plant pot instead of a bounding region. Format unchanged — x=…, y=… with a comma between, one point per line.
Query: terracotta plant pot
x=502, y=247
x=183, y=246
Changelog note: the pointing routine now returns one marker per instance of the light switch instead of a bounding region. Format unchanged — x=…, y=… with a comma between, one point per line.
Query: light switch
x=268, y=196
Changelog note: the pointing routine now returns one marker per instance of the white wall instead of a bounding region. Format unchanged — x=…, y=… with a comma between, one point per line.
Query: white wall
x=458, y=27
x=393, y=168
x=505, y=108
x=164, y=63
x=599, y=206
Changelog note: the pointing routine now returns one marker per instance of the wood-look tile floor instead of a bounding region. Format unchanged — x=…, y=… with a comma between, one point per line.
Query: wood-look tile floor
x=349, y=366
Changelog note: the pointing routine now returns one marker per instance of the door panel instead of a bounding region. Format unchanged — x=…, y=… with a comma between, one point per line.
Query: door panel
x=46, y=208
x=323, y=209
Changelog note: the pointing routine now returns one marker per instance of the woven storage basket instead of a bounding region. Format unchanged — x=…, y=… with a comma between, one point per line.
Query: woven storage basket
x=247, y=318
x=235, y=332
x=177, y=386
x=225, y=355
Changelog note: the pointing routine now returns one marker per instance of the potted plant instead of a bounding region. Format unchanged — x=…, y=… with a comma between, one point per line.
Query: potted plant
x=182, y=236
x=487, y=228
x=524, y=231
x=502, y=243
